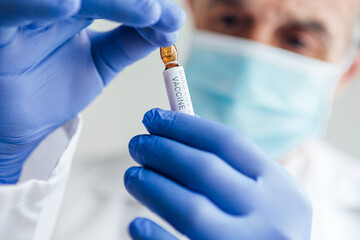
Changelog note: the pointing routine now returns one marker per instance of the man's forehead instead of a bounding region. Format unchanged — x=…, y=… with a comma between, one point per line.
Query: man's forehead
x=237, y=2
x=298, y=8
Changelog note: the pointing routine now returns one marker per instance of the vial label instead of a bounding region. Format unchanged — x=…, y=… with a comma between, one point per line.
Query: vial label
x=178, y=91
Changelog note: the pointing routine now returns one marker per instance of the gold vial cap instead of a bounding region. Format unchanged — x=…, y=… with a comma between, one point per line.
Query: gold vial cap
x=169, y=56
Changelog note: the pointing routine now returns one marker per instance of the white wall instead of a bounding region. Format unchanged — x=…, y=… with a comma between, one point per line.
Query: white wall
x=116, y=115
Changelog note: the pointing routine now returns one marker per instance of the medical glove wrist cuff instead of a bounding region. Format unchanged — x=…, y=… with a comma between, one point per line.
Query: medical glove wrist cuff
x=12, y=159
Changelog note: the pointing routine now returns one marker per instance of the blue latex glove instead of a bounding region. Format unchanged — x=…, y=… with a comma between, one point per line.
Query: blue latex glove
x=52, y=66
x=211, y=182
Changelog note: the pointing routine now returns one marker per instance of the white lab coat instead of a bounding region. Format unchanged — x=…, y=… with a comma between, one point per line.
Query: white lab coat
x=96, y=205
x=28, y=210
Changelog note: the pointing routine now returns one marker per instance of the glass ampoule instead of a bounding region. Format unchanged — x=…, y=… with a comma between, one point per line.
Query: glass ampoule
x=175, y=81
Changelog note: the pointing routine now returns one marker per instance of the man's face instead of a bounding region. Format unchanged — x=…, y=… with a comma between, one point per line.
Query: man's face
x=320, y=29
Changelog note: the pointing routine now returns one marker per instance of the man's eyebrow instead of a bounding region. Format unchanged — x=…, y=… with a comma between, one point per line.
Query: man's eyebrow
x=312, y=26
x=227, y=2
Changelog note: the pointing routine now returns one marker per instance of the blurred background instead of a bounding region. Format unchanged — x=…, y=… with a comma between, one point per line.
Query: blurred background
x=114, y=118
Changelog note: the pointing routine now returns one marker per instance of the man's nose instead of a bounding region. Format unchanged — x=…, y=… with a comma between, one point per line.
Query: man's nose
x=263, y=34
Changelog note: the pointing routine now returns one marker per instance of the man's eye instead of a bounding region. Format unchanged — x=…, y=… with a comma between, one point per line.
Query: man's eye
x=295, y=42
x=301, y=42
x=229, y=21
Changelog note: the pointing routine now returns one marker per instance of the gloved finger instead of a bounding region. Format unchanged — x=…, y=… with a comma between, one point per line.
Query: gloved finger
x=227, y=143
x=197, y=170
x=172, y=17
x=165, y=15
x=144, y=229
x=131, y=12
x=117, y=49
x=190, y=213
x=19, y=12
x=158, y=38
x=40, y=42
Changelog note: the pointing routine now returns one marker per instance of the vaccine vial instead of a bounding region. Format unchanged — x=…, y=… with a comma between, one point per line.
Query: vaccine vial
x=175, y=82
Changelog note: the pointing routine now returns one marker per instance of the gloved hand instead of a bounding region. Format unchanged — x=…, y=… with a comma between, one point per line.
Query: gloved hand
x=210, y=182
x=52, y=66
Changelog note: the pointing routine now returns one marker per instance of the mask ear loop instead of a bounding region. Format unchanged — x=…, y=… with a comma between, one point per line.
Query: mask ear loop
x=350, y=56
x=352, y=51
x=344, y=66
x=349, y=59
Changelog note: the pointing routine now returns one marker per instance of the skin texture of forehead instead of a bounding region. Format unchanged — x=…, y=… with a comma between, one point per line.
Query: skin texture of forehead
x=345, y=9
x=338, y=16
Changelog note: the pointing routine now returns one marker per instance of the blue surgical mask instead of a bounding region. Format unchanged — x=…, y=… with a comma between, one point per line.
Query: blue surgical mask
x=278, y=98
